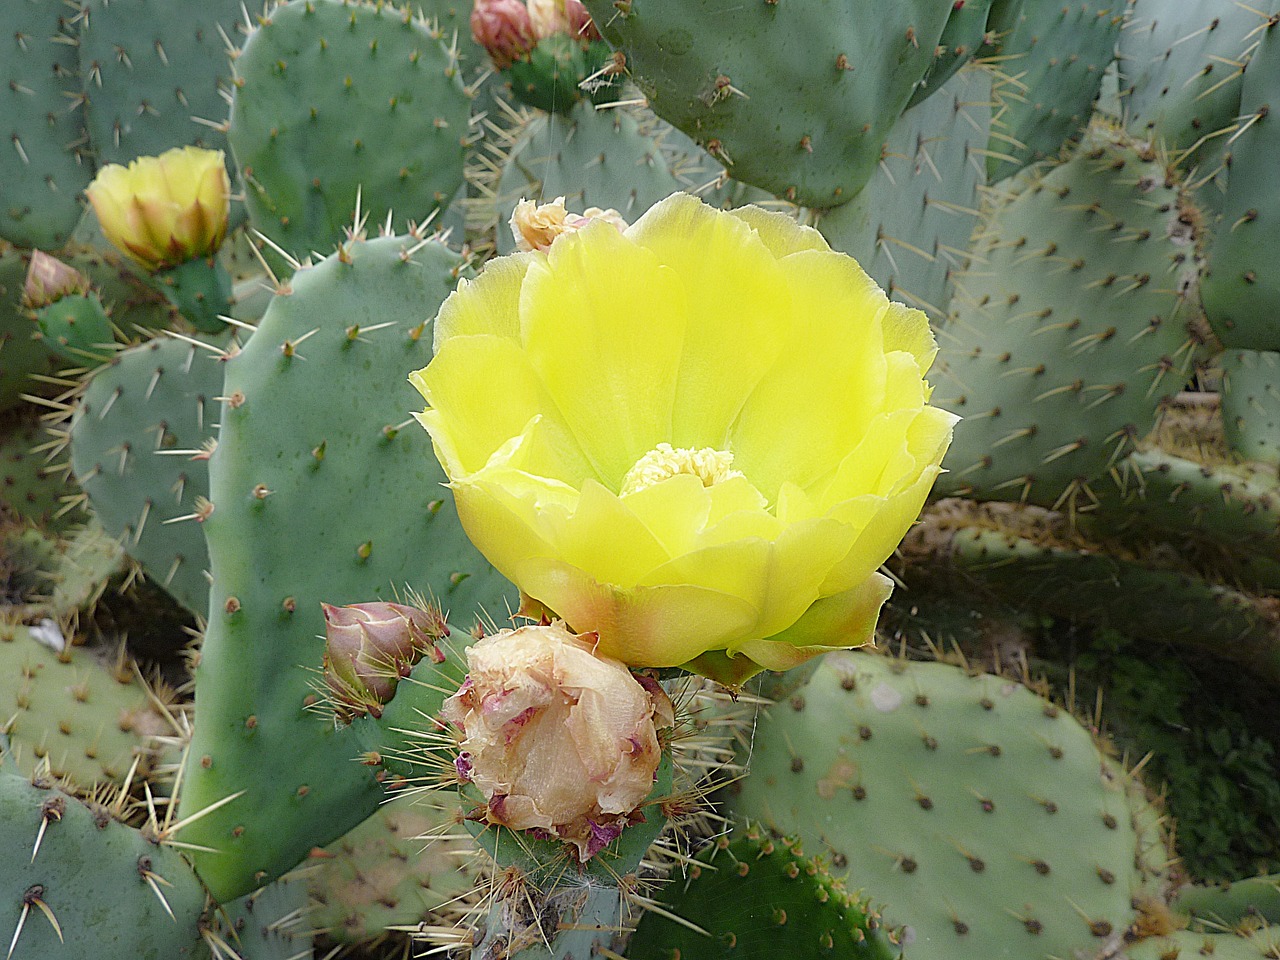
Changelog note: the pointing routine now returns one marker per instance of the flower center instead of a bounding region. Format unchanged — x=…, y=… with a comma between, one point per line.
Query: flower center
x=664, y=461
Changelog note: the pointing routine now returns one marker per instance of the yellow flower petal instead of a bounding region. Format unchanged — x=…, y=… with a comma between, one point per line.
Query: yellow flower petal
x=778, y=231
x=831, y=372
x=482, y=413
x=713, y=253
x=489, y=304
x=603, y=324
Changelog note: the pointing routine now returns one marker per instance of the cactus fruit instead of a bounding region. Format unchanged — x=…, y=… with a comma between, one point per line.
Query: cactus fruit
x=758, y=897
x=317, y=494
x=340, y=103
x=1059, y=351
x=77, y=884
x=139, y=441
x=985, y=818
x=76, y=328
x=82, y=720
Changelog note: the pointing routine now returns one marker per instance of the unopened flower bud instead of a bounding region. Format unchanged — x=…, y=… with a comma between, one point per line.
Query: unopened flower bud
x=370, y=646
x=548, y=17
x=504, y=28
x=536, y=225
x=163, y=211
x=558, y=740
x=49, y=280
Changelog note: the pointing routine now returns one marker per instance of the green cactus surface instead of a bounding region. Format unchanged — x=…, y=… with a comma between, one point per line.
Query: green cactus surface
x=76, y=327
x=336, y=100
x=139, y=444
x=1251, y=403
x=321, y=489
x=77, y=884
x=985, y=818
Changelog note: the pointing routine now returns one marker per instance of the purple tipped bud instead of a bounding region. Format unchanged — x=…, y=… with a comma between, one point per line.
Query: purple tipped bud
x=372, y=645
x=49, y=280
x=505, y=29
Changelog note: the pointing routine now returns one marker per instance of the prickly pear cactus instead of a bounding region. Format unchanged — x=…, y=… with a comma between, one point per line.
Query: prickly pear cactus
x=337, y=99
x=318, y=492
x=986, y=819
x=1060, y=349
x=795, y=98
x=78, y=718
x=77, y=884
x=140, y=439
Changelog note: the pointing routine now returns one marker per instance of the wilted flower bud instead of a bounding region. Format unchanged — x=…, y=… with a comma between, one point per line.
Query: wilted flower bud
x=548, y=17
x=536, y=225
x=163, y=211
x=371, y=646
x=557, y=739
x=504, y=29
x=49, y=280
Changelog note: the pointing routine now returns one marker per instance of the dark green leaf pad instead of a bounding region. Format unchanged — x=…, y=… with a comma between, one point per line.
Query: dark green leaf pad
x=591, y=158
x=1251, y=403
x=102, y=881
x=986, y=819
x=795, y=98
x=335, y=98
x=42, y=120
x=150, y=68
x=321, y=489
x=85, y=721
x=1241, y=287
x=758, y=898
x=1074, y=322
x=139, y=444
x=392, y=870
x=1051, y=56
x=910, y=227
x=961, y=38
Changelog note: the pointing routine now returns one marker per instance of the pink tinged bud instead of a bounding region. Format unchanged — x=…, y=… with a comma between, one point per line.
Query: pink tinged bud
x=504, y=29
x=49, y=280
x=370, y=646
x=581, y=26
x=557, y=738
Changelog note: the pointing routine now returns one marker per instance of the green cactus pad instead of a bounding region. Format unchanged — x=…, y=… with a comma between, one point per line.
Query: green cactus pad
x=87, y=721
x=1241, y=287
x=322, y=489
x=1181, y=66
x=986, y=819
x=76, y=327
x=961, y=38
x=29, y=486
x=391, y=870
x=22, y=352
x=338, y=98
x=152, y=70
x=550, y=77
x=111, y=889
x=795, y=98
x=1251, y=404
x=759, y=898
x=137, y=416
x=1231, y=904
x=44, y=139
x=75, y=573
x=910, y=226
x=592, y=159
x=1051, y=58
x=1072, y=325
x=1189, y=945
x=273, y=923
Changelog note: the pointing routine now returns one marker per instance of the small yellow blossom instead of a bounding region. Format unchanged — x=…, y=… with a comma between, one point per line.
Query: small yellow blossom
x=535, y=226
x=163, y=211
x=698, y=437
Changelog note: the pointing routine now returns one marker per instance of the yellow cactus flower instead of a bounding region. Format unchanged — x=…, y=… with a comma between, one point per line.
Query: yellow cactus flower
x=163, y=211
x=698, y=437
